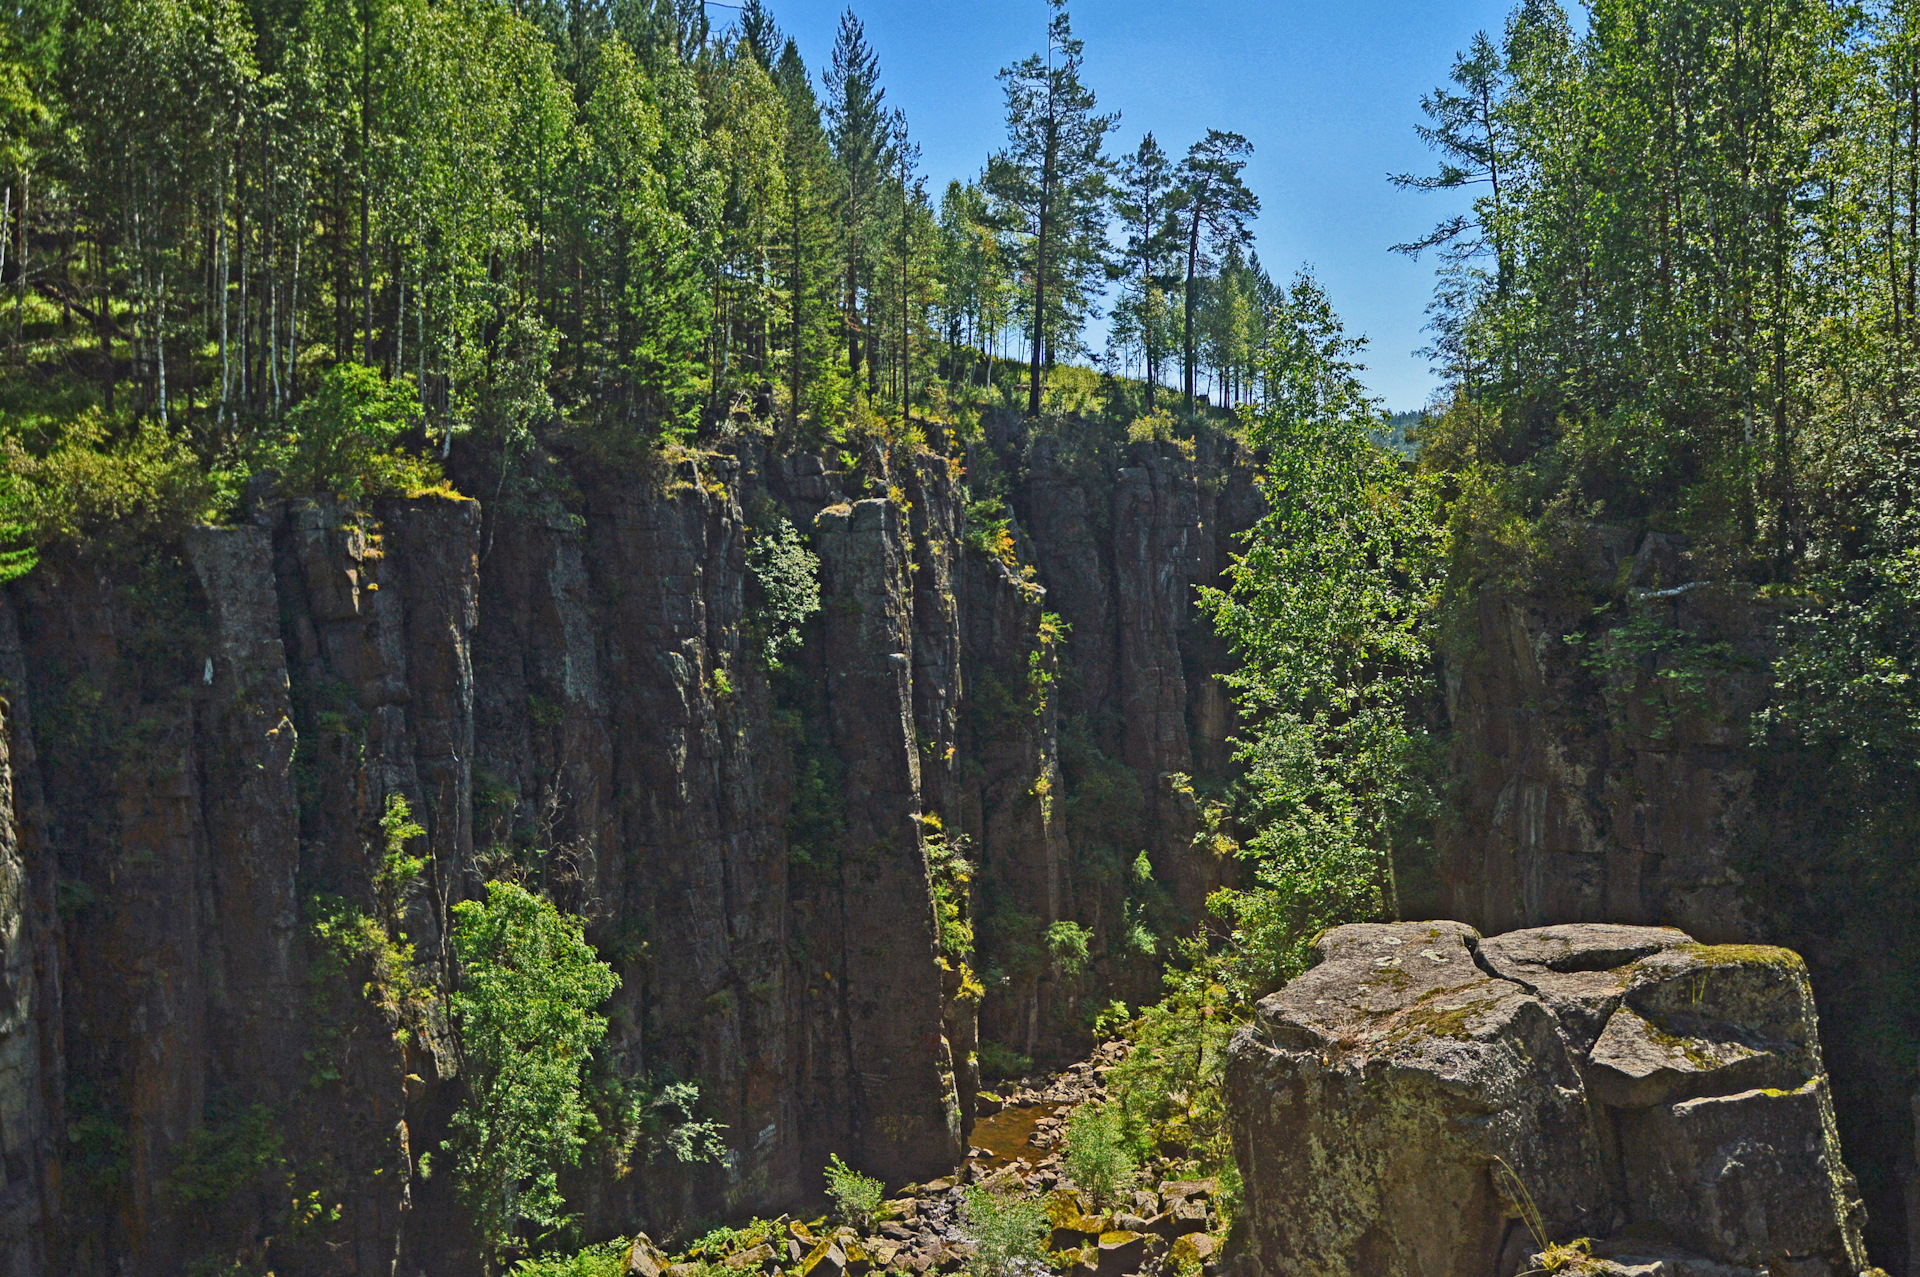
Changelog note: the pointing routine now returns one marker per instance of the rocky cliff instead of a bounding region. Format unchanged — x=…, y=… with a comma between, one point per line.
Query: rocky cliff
x=1604, y=769
x=569, y=685
x=1424, y=1101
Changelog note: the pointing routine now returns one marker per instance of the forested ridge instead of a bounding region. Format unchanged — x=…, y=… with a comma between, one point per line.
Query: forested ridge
x=613, y=224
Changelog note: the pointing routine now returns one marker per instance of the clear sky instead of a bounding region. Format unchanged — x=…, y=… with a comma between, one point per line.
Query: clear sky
x=1328, y=93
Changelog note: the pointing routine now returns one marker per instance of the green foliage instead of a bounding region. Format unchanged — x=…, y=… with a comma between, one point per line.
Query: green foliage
x=1096, y=1155
x=98, y=481
x=528, y=983
x=1330, y=610
x=226, y=1157
x=1050, y=185
x=718, y=1243
x=608, y=1259
x=1167, y=1086
x=16, y=559
x=1067, y=944
x=1008, y=1232
x=952, y=878
x=855, y=1196
x=1014, y=942
x=96, y=1155
x=999, y=1062
x=989, y=531
x=787, y=576
x=681, y=1133
x=647, y=1120
x=344, y=936
x=396, y=874
x=348, y=439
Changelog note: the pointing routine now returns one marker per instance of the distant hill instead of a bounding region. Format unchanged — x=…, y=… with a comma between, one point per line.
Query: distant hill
x=1399, y=433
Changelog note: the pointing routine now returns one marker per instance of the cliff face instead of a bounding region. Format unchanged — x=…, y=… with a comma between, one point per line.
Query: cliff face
x=1604, y=773
x=569, y=688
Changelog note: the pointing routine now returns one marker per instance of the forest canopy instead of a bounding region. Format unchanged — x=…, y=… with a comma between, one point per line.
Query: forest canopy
x=605, y=226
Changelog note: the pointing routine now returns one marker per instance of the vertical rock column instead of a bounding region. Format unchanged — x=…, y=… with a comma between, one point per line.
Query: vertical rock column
x=433, y=545
x=1157, y=561
x=1014, y=785
x=907, y=1121
x=25, y=1133
x=252, y=821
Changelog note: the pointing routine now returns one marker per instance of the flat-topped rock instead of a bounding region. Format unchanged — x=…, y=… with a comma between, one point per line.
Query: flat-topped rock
x=1400, y=1107
x=1577, y=969
x=1370, y=1096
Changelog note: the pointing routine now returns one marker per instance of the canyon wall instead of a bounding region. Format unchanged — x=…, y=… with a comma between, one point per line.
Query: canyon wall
x=569, y=686
x=1603, y=770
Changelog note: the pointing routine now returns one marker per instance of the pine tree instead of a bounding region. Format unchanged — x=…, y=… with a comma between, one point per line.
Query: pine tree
x=860, y=131
x=806, y=253
x=1143, y=203
x=1215, y=206
x=1052, y=181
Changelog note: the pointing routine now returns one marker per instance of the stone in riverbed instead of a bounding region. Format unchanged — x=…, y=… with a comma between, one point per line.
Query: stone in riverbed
x=1121, y=1253
x=1194, y=1248
x=755, y=1257
x=644, y=1259
x=825, y=1260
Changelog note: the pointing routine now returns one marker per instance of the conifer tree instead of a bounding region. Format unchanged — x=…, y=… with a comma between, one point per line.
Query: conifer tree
x=807, y=252
x=1052, y=181
x=1214, y=206
x=1143, y=203
x=860, y=131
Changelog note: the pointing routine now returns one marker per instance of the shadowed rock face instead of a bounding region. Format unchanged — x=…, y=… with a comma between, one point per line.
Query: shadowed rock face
x=1393, y=1107
x=197, y=740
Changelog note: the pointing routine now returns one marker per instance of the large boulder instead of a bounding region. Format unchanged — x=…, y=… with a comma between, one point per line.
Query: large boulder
x=1425, y=1102
x=1372, y=1096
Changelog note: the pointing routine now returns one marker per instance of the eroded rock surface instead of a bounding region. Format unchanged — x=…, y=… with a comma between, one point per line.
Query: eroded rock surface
x=1395, y=1108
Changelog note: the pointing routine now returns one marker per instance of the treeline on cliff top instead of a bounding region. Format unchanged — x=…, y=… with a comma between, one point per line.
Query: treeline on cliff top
x=611, y=225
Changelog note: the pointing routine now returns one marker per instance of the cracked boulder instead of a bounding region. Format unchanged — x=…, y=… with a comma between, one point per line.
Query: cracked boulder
x=1370, y=1098
x=1404, y=1106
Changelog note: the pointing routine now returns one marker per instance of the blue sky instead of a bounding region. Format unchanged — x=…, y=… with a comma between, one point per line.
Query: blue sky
x=1327, y=93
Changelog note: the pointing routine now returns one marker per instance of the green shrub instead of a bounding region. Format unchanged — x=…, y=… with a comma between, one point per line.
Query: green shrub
x=1007, y=1232
x=397, y=873
x=787, y=576
x=101, y=480
x=952, y=876
x=346, y=439
x=17, y=555
x=1097, y=1158
x=528, y=981
x=227, y=1156
x=1067, y=942
x=855, y=1196
x=998, y=1062
x=1167, y=1087
x=608, y=1259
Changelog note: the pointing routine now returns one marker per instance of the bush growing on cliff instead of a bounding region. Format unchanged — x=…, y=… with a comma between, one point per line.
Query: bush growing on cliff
x=348, y=437
x=787, y=576
x=1067, y=944
x=528, y=983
